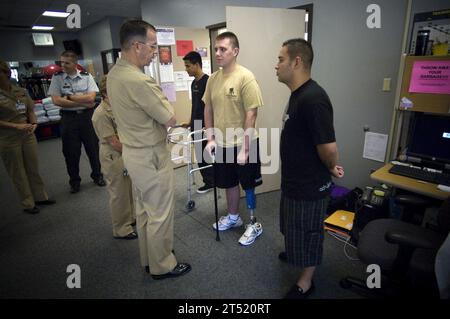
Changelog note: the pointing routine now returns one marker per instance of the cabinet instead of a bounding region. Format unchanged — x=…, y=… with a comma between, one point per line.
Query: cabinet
x=421, y=102
x=435, y=71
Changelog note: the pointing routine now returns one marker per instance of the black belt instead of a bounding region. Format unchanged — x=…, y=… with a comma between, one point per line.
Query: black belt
x=75, y=111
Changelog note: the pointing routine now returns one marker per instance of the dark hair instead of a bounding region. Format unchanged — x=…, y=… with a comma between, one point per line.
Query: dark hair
x=132, y=29
x=229, y=35
x=193, y=57
x=70, y=54
x=302, y=48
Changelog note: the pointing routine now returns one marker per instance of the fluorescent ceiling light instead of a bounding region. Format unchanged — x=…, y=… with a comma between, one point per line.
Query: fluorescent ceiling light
x=56, y=14
x=41, y=27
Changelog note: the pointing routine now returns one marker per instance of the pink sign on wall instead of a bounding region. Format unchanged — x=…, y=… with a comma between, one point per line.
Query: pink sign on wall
x=430, y=77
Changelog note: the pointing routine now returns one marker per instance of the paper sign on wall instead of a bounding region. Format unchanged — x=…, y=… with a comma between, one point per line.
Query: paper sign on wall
x=165, y=36
x=375, y=146
x=181, y=78
x=430, y=77
x=206, y=66
x=184, y=47
x=202, y=51
x=169, y=91
x=166, y=72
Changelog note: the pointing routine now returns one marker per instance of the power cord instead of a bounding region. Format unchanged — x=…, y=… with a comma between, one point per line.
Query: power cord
x=346, y=243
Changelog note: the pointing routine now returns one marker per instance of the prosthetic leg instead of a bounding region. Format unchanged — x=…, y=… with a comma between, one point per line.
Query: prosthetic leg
x=250, y=198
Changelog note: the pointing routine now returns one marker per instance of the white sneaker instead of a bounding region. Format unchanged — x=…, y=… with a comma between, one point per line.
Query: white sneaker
x=251, y=233
x=225, y=222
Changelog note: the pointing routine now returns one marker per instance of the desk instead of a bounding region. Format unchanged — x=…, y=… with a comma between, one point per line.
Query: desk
x=424, y=188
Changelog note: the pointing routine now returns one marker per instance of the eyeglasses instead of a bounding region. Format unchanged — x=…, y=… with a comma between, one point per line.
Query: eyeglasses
x=152, y=46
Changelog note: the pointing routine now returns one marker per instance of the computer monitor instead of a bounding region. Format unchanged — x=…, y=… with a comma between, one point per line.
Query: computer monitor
x=429, y=138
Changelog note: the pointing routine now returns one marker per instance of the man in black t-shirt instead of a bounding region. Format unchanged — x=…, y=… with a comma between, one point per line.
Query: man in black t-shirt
x=193, y=65
x=308, y=160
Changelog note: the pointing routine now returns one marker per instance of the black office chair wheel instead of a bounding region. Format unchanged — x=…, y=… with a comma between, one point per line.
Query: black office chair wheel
x=190, y=205
x=345, y=283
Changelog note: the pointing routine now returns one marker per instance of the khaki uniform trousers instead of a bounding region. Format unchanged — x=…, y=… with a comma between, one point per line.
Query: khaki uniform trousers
x=151, y=172
x=21, y=162
x=120, y=191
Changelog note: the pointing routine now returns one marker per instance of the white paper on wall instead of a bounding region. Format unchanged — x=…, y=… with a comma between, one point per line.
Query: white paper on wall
x=375, y=146
x=166, y=72
x=165, y=36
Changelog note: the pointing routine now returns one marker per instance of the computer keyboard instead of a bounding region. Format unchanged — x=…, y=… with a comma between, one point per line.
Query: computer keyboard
x=420, y=174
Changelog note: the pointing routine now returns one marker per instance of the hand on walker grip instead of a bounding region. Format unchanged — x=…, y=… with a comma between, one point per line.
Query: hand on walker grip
x=211, y=148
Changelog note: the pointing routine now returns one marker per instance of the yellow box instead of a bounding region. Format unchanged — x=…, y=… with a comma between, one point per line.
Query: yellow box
x=440, y=49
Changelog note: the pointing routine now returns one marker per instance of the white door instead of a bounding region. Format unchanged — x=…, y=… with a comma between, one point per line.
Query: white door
x=261, y=32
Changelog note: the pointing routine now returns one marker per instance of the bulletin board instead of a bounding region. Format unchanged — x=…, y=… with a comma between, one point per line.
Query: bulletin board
x=186, y=38
x=172, y=56
x=424, y=102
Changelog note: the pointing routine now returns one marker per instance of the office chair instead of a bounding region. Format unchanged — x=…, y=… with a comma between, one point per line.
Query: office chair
x=405, y=253
x=414, y=207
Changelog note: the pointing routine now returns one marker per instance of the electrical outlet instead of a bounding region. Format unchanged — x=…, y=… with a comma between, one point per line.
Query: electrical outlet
x=386, y=84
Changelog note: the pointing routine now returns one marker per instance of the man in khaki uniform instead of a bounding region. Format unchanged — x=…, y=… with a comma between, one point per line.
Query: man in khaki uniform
x=18, y=145
x=143, y=115
x=118, y=181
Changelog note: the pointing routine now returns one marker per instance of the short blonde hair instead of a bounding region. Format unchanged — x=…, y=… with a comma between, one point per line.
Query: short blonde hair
x=102, y=87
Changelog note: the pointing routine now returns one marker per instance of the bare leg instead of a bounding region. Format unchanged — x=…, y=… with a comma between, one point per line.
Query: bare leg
x=305, y=279
x=233, y=195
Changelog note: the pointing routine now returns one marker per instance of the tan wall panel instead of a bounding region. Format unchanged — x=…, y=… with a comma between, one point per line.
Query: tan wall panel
x=261, y=32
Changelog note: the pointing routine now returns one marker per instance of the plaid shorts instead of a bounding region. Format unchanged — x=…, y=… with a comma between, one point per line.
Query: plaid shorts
x=301, y=223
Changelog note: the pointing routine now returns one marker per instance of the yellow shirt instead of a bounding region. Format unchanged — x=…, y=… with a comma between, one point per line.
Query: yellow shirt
x=140, y=108
x=230, y=97
x=13, y=109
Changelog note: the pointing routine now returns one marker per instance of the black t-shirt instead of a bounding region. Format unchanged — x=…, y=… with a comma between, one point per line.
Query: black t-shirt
x=198, y=106
x=307, y=123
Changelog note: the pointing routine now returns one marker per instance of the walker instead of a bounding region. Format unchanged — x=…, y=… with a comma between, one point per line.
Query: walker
x=183, y=136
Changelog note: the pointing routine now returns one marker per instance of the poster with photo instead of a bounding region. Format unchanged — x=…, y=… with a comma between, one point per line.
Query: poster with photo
x=165, y=54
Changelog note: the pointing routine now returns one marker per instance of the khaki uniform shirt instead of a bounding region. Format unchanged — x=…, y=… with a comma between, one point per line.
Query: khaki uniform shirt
x=139, y=106
x=104, y=124
x=13, y=109
x=230, y=97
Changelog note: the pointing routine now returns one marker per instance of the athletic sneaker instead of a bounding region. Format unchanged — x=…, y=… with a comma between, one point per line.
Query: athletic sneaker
x=251, y=233
x=225, y=222
x=204, y=189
